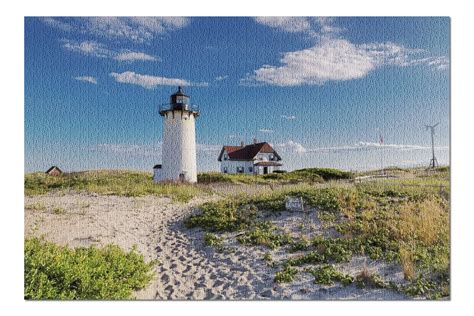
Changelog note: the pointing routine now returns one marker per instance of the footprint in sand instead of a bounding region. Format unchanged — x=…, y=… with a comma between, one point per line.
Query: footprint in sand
x=188, y=268
x=218, y=283
x=170, y=291
x=165, y=278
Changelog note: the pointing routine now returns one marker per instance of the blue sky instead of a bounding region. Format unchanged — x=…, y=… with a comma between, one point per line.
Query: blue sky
x=321, y=90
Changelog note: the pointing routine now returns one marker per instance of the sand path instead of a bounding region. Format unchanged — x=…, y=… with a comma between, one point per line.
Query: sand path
x=188, y=269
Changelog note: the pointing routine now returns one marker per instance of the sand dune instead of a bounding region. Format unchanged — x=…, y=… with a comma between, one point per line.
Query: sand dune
x=188, y=269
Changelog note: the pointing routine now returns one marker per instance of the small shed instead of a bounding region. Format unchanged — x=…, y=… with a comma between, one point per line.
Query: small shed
x=54, y=171
x=157, y=173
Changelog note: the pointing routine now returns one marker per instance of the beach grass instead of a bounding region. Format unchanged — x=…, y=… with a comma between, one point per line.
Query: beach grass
x=308, y=175
x=109, y=182
x=402, y=220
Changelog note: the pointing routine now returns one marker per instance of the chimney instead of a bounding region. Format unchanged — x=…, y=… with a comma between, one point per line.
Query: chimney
x=254, y=140
x=241, y=143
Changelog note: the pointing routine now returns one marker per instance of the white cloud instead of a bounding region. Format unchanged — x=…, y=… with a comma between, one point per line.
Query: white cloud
x=57, y=23
x=147, y=150
x=332, y=58
x=235, y=136
x=208, y=148
x=316, y=27
x=89, y=48
x=134, y=56
x=287, y=24
x=292, y=146
x=150, y=82
x=87, y=79
x=295, y=147
x=288, y=117
x=135, y=29
x=265, y=130
x=338, y=60
x=220, y=78
x=96, y=49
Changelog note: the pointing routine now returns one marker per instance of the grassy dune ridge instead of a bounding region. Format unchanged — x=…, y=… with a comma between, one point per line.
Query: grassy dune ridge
x=308, y=175
x=402, y=220
x=109, y=182
x=135, y=183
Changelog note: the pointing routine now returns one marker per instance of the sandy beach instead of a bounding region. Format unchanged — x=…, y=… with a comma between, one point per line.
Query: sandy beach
x=187, y=268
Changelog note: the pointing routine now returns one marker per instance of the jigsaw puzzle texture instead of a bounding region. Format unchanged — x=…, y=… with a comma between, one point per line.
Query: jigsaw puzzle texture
x=237, y=158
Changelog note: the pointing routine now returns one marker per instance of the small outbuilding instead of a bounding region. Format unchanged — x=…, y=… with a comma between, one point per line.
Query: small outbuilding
x=156, y=173
x=54, y=171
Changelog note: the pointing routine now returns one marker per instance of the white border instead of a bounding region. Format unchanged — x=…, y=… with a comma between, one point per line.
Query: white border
x=12, y=115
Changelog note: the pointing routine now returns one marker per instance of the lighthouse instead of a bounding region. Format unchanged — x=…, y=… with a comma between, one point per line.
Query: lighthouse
x=179, y=140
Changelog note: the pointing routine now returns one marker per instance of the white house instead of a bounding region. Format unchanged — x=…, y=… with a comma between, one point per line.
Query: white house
x=256, y=158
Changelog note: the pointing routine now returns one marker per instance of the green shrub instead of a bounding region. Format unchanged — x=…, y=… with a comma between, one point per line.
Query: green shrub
x=36, y=206
x=310, y=175
x=419, y=287
x=262, y=234
x=222, y=216
x=372, y=280
x=325, y=173
x=213, y=177
x=271, y=202
x=299, y=244
x=267, y=257
x=334, y=250
x=286, y=275
x=327, y=275
x=53, y=272
x=214, y=241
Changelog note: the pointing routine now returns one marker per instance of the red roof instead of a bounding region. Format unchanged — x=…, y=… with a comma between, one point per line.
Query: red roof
x=247, y=152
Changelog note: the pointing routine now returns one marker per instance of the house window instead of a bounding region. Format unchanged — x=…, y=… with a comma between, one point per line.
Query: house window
x=272, y=157
x=226, y=157
x=250, y=169
x=240, y=169
x=225, y=169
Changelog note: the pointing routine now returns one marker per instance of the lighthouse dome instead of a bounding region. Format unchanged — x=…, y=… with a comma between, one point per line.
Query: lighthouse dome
x=179, y=102
x=179, y=98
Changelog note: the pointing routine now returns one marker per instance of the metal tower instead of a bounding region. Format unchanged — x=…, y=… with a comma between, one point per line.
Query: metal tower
x=433, y=161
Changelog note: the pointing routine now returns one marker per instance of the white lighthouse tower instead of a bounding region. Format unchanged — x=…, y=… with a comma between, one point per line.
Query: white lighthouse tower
x=179, y=140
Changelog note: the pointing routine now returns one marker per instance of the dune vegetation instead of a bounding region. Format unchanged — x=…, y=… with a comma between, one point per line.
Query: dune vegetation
x=109, y=182
x=403, y=220
x=309, y=175
x=55, y=272
x=135, y=183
